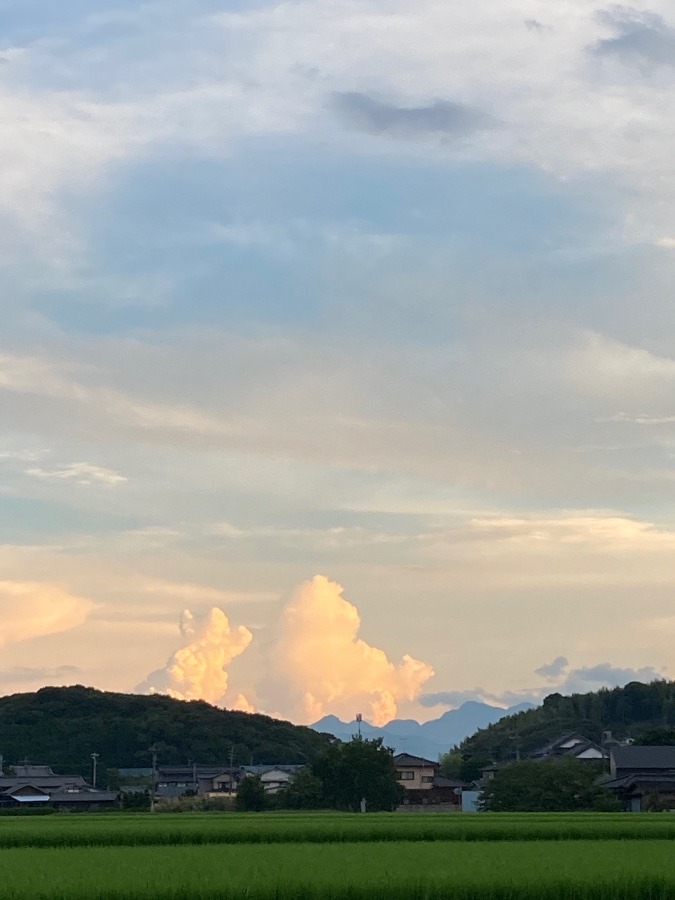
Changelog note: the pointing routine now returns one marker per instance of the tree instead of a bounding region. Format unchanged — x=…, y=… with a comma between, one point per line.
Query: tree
x=305, y=791
x=356, y=771
x=657, y=737
x=556, y=785
x=251, y=795
x=451, y=763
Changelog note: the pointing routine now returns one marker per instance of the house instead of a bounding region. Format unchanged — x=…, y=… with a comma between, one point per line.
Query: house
x=643, y=778
x=633, y=760
x=38, y=785
x=414, y=772
x=423, y=784
x=273, y=778
x=573, y=744
x=176, y=781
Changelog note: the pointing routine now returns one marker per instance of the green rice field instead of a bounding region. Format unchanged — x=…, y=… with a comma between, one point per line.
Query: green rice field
x=381, y=857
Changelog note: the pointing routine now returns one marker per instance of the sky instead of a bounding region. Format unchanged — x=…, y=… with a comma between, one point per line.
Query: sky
x=337, y=350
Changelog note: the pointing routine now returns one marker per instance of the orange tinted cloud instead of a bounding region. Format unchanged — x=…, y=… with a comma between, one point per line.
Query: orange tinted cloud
x=324, y=667
x=34, y=609
x=198, y=671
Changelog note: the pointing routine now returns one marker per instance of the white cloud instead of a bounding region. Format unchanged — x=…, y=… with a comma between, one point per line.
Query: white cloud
x=81, y=473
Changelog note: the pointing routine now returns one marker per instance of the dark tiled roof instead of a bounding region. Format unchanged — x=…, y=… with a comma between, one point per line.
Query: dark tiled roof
x=657, y=781
x=632, y=757
x=83, y=797
x=54, y=782
x=263, y=770
x=33, y=771
x=405, y=759
x=578, y=749
x=441, y=782
x=555, y=745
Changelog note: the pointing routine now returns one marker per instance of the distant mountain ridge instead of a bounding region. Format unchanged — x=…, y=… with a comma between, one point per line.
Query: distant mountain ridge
x=429, y=739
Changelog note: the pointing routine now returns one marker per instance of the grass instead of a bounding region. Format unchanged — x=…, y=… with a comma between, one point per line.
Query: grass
x=580, y=870
x=80, y=830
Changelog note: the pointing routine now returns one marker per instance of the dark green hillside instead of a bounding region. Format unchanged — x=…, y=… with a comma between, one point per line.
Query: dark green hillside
x=631, y=711
x=61, y=727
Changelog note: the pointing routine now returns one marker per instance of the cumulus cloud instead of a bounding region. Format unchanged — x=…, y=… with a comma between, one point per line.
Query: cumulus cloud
x=322, y=666
x=374, y=116
x=34, y=609
x=198, y=670
x=317, y=661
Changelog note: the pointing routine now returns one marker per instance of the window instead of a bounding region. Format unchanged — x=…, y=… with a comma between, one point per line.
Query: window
x=406, y=776
x=427, y=779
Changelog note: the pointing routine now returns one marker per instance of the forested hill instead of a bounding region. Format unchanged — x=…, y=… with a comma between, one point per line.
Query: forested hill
x=63, y=726
x=626, y=712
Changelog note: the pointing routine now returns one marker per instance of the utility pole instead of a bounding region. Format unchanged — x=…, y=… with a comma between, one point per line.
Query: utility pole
x=94, y=760
x=153, y=750
x=359, y=719
x=2, y=762
x=231, y=767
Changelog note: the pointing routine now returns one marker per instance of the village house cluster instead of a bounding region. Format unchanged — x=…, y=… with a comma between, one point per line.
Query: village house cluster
x=643, y=778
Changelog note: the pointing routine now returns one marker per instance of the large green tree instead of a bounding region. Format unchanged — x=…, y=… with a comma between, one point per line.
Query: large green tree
x=556, y=785
x=251, y=796
x=305, y=791
x=356, y=771
x=657, y=737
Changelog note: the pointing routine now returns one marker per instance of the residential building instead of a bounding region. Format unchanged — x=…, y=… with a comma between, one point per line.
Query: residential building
x=38, y=785
x=573, y=744
x=273, y=778
x=423, y=784
x=176, y=781
x=414, y=772
x=643, y=778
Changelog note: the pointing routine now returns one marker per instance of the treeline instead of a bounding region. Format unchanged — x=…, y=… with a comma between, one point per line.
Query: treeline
x=61, y=727
x=343, y=777
x=639, y=711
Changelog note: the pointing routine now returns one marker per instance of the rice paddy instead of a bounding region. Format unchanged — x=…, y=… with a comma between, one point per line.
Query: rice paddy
x=275, y=857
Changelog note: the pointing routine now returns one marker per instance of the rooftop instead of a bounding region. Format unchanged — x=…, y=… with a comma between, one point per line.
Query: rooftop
x=634, y=757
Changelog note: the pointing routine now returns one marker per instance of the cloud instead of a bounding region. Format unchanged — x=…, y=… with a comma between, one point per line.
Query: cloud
x=317, y=662
x=639, y=419
x=198, y=670
x=34, y=609
x=81, y=473
x=321, y=665
x=581, y=680
x=443, y=117
x=591, y=678
x=553, y=670
x=30, y=674
x=642, y=37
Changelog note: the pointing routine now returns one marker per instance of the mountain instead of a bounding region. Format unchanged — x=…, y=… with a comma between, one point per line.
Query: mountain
x=628, y=712
x=429, y=739
x=63, y=726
